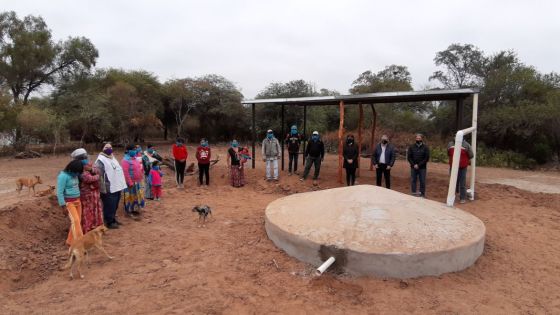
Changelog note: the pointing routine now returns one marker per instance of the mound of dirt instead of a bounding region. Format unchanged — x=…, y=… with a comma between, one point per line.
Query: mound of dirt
x=30, y=247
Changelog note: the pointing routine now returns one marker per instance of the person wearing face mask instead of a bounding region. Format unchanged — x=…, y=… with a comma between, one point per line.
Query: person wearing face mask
x=180, y=154
x=148, y=157
x=383, y=159
x=351, y=157
x=203, y=155
x=271, y=153
x=92, y=213
x=293, y=141
x=235, y=166
x=314, y=155
x=111, y=184
x=418, y=155
x=68, y=195
x=133, y=193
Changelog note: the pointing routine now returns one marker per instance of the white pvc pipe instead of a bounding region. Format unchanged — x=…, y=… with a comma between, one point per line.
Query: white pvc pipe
x=473, y=144
x=456, y=155
x=324, y=266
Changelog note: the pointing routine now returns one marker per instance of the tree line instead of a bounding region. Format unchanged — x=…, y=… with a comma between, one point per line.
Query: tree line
x=51, y=92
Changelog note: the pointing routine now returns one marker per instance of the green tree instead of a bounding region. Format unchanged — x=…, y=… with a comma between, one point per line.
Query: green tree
x=29, y=58
x=463, y=66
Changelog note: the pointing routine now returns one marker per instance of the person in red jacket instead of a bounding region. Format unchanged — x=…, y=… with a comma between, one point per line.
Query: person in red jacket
x=180, y=154
x=464, y=161
x=203, y=154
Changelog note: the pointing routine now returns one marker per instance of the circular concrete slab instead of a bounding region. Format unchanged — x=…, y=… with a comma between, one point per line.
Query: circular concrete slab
x=375, y=231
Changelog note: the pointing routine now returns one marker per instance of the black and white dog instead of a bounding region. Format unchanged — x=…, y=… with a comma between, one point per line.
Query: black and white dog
x=203, y=212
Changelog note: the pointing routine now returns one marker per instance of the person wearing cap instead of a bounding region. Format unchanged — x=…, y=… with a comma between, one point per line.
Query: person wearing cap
x=133, y=193
x=111, y=184
x=180, y=154
x=271, y=153
x=235, y=167
x=293, y=141
x=383, y=159
x=314, y=155
x=351, y=157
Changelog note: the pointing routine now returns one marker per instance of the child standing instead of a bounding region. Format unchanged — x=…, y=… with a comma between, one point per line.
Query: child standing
x=155, y=181
x=203, y=154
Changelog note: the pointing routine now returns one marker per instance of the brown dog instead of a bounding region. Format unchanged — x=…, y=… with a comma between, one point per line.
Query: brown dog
x=29, y=183
x=47, y=192
x=79, y=250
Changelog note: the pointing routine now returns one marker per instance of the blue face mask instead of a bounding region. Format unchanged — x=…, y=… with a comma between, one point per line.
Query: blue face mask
x=270, y=135
x=85, y=162
x=294, y=131
x=132, y=153
x=179, y=144
x=151, y=151
x=234, y=144
x=315, y=137
x=204, y=144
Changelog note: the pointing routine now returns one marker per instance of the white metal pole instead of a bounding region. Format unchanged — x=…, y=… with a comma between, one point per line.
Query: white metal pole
x=473, y=144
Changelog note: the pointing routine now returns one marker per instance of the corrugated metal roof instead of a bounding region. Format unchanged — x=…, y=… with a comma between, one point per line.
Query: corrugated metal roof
x=371, y=98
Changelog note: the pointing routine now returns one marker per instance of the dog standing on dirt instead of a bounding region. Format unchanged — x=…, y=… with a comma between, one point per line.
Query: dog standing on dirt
x=47, y=192
x=203, y=212
x=29, y=183
x=79, y=250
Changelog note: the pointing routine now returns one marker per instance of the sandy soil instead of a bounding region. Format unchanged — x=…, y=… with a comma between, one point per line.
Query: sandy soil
x=166, y=264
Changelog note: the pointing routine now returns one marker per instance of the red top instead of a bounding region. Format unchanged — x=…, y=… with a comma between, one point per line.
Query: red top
x=464, y=157
x=203, y=155
x=180, y=153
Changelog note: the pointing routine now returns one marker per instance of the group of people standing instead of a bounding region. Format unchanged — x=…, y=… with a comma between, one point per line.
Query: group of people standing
x=382, y=159
x=90, y=192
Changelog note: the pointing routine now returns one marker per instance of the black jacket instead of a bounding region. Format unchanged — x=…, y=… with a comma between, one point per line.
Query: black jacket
x=350, y=152
x=315, y=149
x=418, y=155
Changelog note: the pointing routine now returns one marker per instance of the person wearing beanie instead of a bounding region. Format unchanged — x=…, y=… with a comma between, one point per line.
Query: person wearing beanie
x=111, y=184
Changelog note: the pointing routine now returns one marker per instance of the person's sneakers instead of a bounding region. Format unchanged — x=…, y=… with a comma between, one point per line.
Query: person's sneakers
x=113, y=225
x=315, y=183
x=463, y=201
x=301, y=179
x=289, y=173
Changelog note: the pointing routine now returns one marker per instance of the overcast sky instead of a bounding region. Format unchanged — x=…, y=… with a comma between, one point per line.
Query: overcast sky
x=327, y=43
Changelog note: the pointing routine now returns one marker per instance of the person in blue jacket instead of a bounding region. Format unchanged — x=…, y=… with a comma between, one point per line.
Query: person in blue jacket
x=383, y=159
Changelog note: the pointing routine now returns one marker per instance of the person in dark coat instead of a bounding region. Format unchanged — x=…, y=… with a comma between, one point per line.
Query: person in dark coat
x=383, y=159
x=351, y=157
x=293, y=141
x=418, y=155
x=314, y=155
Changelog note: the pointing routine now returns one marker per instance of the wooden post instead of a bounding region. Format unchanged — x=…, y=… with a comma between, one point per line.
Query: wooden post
x=282, y=136
x=340, y=140
x=373, y=126
x=360, y=126
x=254, y=136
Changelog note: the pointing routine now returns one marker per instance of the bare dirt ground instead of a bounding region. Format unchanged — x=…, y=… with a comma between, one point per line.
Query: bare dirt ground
x=166, y=264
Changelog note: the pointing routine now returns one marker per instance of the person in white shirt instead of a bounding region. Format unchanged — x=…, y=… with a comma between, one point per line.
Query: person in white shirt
x=383, y=159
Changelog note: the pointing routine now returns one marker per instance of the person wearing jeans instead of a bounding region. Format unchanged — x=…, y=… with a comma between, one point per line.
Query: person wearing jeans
x=271, y=153
x=293, y=141
x=383, y=159
x=111, y=184
x=314, y=155
x=180, y=154
x=418, y=155
x=464, y=160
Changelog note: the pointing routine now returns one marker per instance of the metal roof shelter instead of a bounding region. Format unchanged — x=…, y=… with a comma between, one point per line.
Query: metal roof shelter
x=457, y=95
